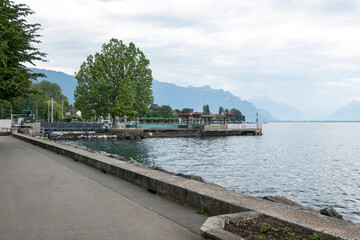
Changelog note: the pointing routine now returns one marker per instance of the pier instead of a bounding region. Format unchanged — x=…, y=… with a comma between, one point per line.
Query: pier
x=78, y=131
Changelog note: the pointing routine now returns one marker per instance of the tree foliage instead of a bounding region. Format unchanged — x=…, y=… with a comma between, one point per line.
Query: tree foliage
x=221, y=110
x=238, y=116
x=17, y=39
x=206, y=109
x=40, y=99
x=44, y=91
x=164, y=111
x=116, y=82
x=187, y=110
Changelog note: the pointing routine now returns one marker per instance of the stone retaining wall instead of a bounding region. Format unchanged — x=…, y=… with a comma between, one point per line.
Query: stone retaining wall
x=195, y=194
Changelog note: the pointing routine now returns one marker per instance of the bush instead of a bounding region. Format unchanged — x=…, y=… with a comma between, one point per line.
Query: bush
x=72, y=118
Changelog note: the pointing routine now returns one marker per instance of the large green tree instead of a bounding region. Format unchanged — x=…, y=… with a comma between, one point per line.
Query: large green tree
x=40, y=101
x=238, y=116
x=44, y=91
x=166, y=111
x=17, y=39
x=116, y=82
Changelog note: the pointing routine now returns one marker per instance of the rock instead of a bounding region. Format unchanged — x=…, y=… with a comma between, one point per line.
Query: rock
x=135, y=163
x=331, y=212
x=117, y=157
x=282, y=200
x=161, y=170
x=192, y=177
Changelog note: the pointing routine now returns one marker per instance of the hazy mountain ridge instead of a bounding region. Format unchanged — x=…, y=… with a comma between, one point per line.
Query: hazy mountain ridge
x=196, y=97
x=66, y=82
x=350, y=112
x=280, y=111
x=175, y=96
x=285, y=112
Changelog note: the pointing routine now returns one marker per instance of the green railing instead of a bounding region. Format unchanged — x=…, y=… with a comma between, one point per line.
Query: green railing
x=155, y=126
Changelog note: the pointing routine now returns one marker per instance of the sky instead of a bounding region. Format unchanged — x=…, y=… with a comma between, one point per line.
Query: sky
x=304, y=53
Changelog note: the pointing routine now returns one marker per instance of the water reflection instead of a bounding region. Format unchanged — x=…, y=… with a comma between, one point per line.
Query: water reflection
x=136, y=149
x=316, y=164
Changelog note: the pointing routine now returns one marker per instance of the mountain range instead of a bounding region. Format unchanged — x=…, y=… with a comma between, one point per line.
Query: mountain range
x=281, y=111
x=196, y=97
x=350, y=112
x=66, y=82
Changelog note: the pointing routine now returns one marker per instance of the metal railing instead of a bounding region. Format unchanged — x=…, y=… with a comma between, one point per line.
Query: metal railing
x=73, y=127
x=5, y=131
x=245, y=126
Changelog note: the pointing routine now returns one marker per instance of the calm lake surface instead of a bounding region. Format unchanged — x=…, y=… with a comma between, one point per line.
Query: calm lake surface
x=315, y=164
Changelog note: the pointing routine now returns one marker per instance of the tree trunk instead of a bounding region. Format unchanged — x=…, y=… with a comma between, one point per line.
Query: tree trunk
x=114, y=120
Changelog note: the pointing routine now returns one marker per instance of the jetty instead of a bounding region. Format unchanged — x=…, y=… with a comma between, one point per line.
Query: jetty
x=191, y=125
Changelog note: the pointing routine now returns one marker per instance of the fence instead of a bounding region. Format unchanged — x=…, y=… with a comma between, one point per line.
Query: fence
x=155, y=126
x=97, y=127
x=245, y=126
x=5, y=131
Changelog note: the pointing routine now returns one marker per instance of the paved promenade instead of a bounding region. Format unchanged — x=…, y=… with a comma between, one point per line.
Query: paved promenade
x=44, y=195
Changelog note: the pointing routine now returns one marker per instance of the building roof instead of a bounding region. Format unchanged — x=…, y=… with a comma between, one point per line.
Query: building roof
x=72, y=111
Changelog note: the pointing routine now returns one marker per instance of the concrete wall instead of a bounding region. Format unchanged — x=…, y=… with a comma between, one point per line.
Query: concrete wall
x=215, y=127
x=195, y=194
x=5, y=123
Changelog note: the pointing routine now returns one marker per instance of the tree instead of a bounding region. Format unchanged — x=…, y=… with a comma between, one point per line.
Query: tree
x=187, y=110
x=221, y=110
x=206, y=109
x=116, y=81
x=44, y=91
x=40, y=99
x=52, y=90
x=17, y=39
x=237, y=114
x=154, y=107
x=166, y=111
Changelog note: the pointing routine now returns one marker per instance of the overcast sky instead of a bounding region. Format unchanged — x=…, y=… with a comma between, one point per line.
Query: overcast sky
x=305, y=53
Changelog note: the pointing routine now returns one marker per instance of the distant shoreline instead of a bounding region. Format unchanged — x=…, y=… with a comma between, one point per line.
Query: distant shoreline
x=314, y=121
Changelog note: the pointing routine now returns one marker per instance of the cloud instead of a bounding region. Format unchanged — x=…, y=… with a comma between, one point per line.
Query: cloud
x=293, y=51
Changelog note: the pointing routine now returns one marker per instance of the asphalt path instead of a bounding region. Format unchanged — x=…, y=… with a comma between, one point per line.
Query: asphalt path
x=44, y=195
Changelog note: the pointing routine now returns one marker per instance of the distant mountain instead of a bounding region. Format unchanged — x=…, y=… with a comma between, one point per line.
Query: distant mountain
x=66, y=82
x=266, y=115
x=175, y=96
x=280, y=111
x=350, y=112
x=196, y=97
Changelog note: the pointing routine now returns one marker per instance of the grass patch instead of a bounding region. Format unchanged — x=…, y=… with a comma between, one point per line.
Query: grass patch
x=264, y=227
x=203, y=210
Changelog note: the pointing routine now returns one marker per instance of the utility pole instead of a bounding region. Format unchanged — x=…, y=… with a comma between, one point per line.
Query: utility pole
x=52, y=110
x=62, y=110
x=36, y=117
x=48, y=111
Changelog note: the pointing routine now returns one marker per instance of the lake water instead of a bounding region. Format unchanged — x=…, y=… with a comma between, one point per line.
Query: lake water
x=315, y=164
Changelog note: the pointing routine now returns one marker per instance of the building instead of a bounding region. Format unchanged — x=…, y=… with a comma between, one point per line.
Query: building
x=72, y=111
